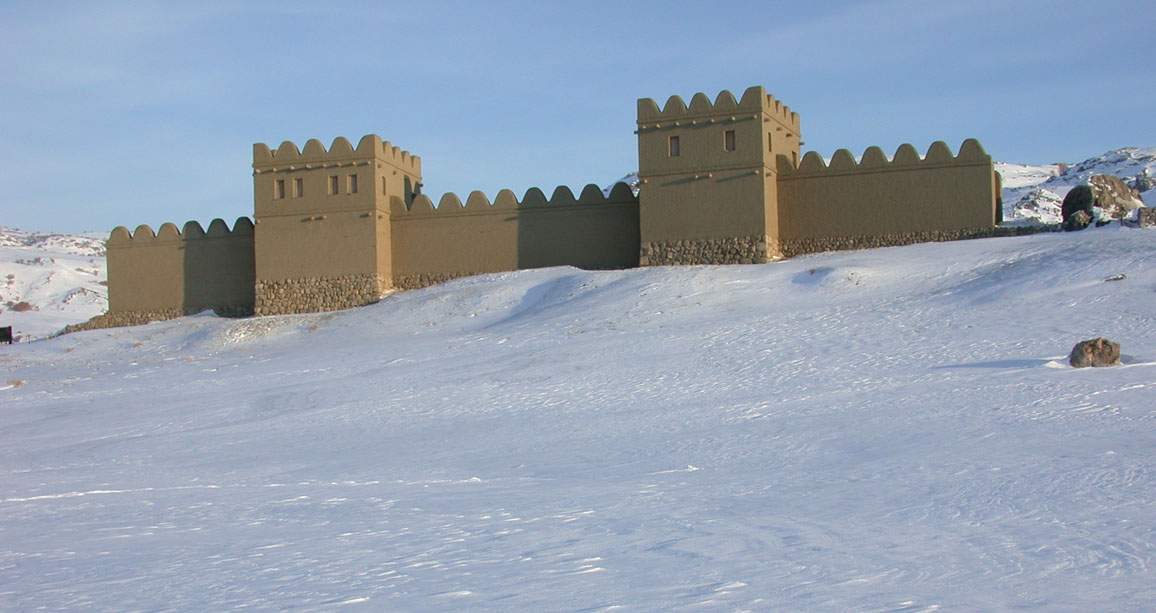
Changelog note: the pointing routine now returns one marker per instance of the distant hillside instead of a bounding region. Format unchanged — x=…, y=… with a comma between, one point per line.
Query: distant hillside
x=48, y=281
x=1035, y=193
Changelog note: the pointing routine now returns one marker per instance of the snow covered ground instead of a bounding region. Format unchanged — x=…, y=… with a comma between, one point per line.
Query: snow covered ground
x=59, y=277
x=884, y=430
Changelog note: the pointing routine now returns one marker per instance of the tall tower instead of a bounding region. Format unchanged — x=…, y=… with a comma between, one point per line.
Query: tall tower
x=322, y=234
x=709, y=177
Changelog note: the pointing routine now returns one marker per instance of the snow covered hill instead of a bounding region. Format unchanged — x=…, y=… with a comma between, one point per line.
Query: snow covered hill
x=1035, y=193
x=884, y=430
x=48, y=281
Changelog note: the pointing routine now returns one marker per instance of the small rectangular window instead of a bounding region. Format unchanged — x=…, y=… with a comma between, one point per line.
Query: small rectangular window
x=279, y=189
x=673, y=146
x=298, y=187
x=334, y=185
x=351, y=184
x=770, y=143
x=729, y=140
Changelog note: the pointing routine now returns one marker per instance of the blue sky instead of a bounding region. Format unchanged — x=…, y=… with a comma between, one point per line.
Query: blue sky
x=122, y=113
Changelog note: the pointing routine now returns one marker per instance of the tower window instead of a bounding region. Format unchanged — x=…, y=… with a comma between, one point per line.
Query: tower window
x=673, y=146
x=279, y=189
x=729, y=140
x=334, y=185
x=351, y=184
x=770, y=143
x=298, y=187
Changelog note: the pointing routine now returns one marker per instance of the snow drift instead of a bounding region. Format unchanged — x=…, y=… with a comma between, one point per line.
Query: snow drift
x=885, y=430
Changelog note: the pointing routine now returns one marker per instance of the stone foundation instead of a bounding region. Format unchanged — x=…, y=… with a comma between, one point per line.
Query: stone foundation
x=419, y=281
x=313, y=295
x=1147, y=216
x=736, y=250
x=123, y=319
x=793, y=247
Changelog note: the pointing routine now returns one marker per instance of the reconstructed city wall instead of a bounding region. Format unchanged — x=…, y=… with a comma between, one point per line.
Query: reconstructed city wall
x=877, y=202
x=707, y=171
x=323, y=227
x=763, y=125
x=380, y=168
x=721, y=183
x=219, y=267
x=314, y=263
x=170, y=272
x=592, y=231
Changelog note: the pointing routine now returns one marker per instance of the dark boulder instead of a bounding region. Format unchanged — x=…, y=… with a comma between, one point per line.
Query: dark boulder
x=1096, y=352
x=1080, y=198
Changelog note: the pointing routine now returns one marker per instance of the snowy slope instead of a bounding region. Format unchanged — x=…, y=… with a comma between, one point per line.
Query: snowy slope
x=60, y=277
x=1035, y=193
x=884, y=430
x=1018, y=176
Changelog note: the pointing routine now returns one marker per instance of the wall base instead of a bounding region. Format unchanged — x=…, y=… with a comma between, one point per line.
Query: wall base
x=313, y=295
x=419, y=281
x=735, y=250
x=122, y=319
x=800, y=246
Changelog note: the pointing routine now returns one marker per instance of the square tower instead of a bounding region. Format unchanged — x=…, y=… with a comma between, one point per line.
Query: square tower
x=322, y=233
x=708, y=177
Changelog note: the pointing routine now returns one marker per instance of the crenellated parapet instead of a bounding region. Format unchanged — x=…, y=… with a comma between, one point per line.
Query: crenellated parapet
x=340, y=154
x=906, y=158
x=755, y=103
x=175, y=271
x=507, y=202
x=168, y=232
x=877, y=201
x=592, y=230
